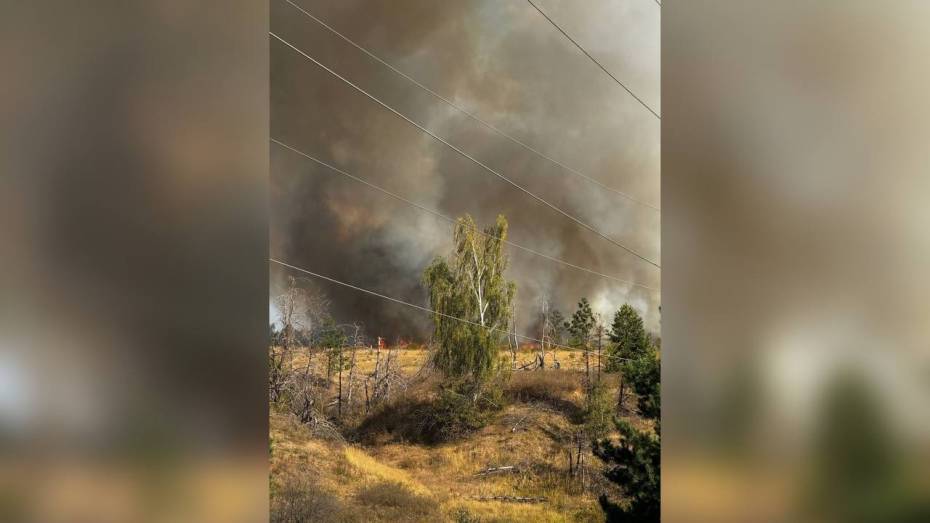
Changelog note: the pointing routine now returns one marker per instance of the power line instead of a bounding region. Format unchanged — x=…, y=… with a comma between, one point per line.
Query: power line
x=452, y=220
x=467, y=113
x=582, y=49
x=468, y=156
x=424, y=309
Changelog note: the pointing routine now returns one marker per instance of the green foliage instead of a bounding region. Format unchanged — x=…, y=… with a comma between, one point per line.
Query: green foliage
x=598, y=411
x=634, y=461
x=470, y=284
x=559, y=327
x=643, y=374
x=628, y=337
x=331, y=335
x=858, y=472
x=462, y=408
x=634, y=465
x=582, y=324
x=463, y=515
x=333, y=340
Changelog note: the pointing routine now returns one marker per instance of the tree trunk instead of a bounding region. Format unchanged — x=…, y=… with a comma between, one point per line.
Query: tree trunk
x=329, y=365
x=367, y=400
x=351, y=378
x=339, y=405
x=587, y=369
x=620, y=400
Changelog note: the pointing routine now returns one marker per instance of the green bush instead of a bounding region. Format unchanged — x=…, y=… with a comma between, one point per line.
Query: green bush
x=644, y=376
x=299, y=500
x=634, y=464
x=462, y=515
x=457, y=411
x=598, y=412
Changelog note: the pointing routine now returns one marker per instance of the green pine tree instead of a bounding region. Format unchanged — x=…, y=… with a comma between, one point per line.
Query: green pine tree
x=558, y=327
x=643, y=376
x=581, y=324
x=635, y=466
x=628, y=338
x=634, y=460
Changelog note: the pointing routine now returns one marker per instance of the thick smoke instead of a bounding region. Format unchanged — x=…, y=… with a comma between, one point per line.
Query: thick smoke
x=504, y=62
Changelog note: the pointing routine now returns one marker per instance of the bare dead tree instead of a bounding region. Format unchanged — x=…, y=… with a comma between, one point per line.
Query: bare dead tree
x=358, y=340
x=545, y=337
x=587, y=369
x=339, y=390
x=512, y=341
x=576, y=452
x=302, y=309
x=385, y=375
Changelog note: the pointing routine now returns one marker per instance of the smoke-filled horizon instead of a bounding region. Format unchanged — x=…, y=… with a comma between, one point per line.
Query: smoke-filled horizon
x=505, y=63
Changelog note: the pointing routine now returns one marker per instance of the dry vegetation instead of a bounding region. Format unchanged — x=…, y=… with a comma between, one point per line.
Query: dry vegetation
x=515, y=468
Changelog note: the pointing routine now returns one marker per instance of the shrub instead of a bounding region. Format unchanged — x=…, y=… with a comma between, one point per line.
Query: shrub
x=634, y=464
x=299, y=500
x=598, y=412
x=401, y=418
x=460, y=410
x=644, y=376
x=463, y=515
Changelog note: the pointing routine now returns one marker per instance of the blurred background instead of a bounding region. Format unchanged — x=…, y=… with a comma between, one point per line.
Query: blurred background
x=796, y=369
x=133, y=213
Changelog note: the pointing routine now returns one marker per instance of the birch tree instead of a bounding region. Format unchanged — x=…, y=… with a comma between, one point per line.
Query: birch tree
x=470, y=284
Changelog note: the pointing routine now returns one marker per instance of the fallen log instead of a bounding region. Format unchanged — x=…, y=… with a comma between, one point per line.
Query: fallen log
x=495, y=470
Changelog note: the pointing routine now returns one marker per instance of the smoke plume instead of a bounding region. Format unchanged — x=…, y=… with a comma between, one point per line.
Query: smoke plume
x=504, y=62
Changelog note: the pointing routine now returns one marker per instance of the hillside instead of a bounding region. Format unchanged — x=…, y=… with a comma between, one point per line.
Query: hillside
x=381, y=467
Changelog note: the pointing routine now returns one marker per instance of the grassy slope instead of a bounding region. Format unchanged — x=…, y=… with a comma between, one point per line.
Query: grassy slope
x=544, y=408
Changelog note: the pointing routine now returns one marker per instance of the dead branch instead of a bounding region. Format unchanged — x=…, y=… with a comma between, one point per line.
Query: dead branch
x=496, y=470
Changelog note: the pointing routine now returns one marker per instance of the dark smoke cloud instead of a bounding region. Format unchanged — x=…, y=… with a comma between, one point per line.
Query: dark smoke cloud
x=504, y=62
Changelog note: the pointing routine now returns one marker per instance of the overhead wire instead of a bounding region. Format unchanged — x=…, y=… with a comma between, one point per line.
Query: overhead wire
x=597, y=63
x=578, y=221
x=424, y=309
x=450, y=219
x=467, y=113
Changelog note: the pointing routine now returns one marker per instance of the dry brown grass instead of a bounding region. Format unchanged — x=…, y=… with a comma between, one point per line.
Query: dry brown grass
x=544, y=385
x=382, y=472
x=394, y=501
x=296, y=498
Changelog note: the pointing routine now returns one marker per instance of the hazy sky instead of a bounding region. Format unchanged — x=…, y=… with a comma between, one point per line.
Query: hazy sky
x=506, y=63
